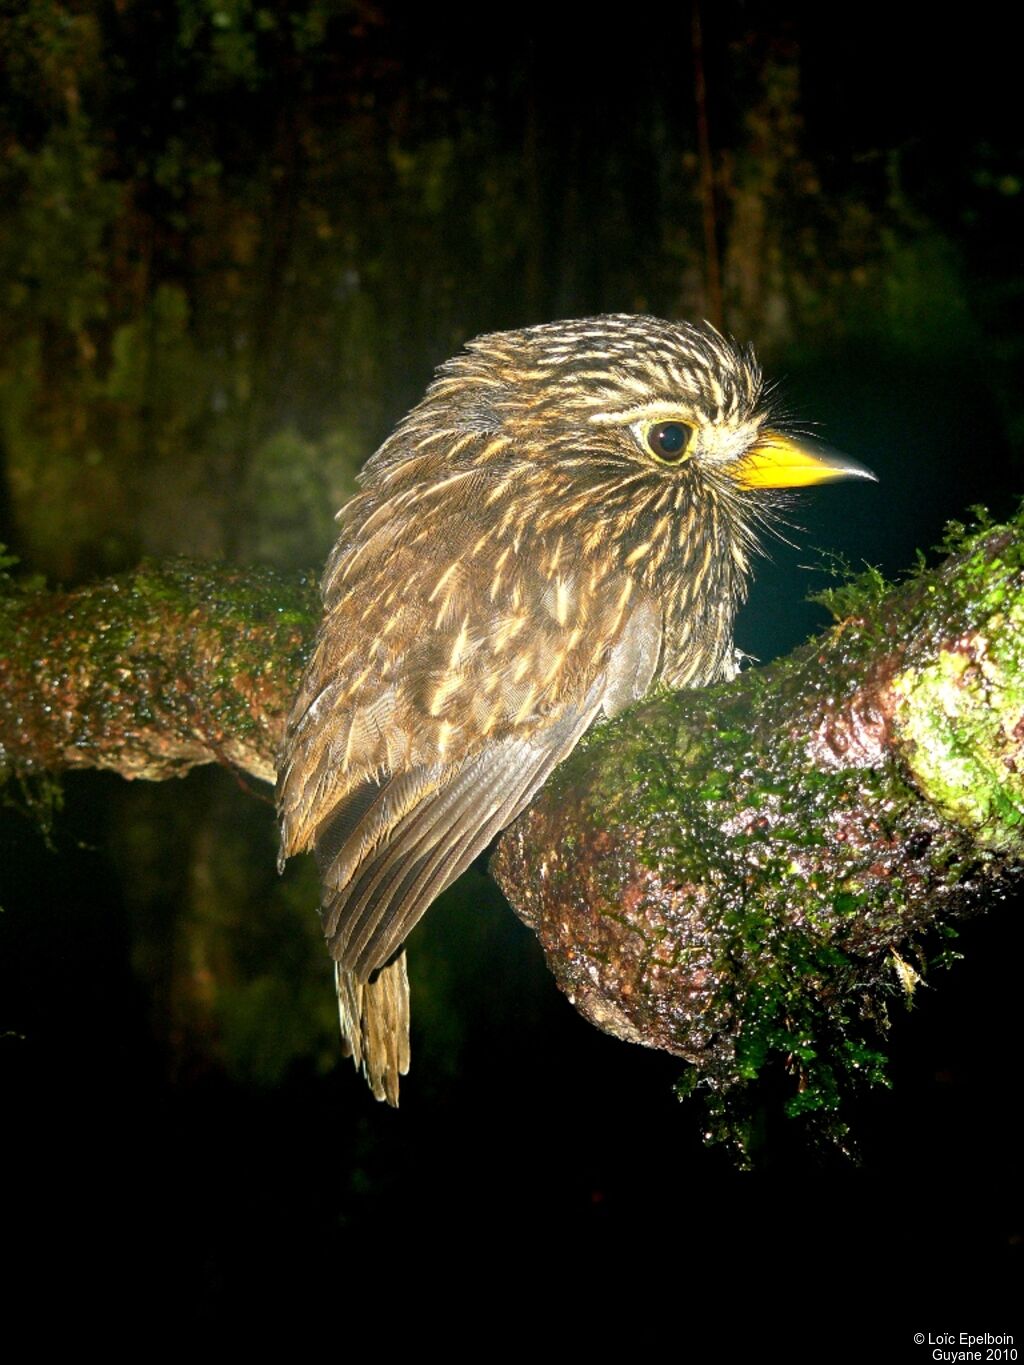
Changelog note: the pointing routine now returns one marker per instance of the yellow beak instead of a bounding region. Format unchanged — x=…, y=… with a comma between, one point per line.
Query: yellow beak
x=779, y=461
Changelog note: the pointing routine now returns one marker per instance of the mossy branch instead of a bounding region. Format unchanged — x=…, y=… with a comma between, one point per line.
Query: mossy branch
x=737, y=875
x=744, y=874
x=153, y=672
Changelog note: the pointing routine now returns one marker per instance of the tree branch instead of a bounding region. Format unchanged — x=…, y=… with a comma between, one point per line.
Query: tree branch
x=740, y=873
x=734, y=874
x=153, y=672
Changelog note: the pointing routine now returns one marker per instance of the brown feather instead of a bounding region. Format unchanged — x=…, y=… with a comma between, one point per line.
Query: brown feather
x=515, y=566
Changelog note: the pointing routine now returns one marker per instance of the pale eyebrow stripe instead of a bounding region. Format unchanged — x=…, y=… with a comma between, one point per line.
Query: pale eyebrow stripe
x=627, y=416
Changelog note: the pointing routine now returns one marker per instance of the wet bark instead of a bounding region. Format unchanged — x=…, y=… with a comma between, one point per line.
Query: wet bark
x=758, y=869
x=151, y=673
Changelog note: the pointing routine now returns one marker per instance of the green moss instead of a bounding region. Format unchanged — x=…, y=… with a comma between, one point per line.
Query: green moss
x=960, y=717
x=856, y=596
x=778, y=926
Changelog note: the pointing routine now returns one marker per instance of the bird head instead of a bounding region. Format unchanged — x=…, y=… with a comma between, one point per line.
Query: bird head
x=611, y=423
x=675, y=396
x=631, y=444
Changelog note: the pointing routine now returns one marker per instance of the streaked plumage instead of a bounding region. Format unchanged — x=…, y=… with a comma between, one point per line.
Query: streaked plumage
x=518, y=564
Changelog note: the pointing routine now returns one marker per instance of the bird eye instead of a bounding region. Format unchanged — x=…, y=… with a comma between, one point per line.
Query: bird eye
x=670, y=442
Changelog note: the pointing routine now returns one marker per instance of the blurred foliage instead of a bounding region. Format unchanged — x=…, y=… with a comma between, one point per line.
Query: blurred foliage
x=233, y=958
x=236, y=236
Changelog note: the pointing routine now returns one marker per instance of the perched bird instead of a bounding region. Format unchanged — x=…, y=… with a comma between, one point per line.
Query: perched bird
x=567, y=517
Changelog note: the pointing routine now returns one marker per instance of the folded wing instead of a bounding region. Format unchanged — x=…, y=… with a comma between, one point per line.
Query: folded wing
x=437, y=702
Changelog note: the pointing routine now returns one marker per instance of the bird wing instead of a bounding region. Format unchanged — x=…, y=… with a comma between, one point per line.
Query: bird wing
x=440, y=696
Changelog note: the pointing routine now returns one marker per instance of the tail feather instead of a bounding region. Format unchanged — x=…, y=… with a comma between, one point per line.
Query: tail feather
x=374, y=1017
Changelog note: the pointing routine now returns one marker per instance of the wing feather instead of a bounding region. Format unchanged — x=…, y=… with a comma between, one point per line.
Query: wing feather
x=373, y=913
x=374, y=1019
x=436, y=702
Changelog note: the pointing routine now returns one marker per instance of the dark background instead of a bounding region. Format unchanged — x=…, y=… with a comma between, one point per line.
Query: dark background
x=234, y=240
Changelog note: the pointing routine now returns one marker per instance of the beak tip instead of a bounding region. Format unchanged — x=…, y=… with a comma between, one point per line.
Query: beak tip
x=860, y=471
x=836, y=463
x=783, y=461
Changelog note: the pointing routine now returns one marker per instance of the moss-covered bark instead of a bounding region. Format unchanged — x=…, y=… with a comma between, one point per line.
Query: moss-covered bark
x=745, y=874
x=151, y=673
x=742, y=875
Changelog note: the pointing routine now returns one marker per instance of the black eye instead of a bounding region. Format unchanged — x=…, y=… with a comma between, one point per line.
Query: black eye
x=670, y=441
